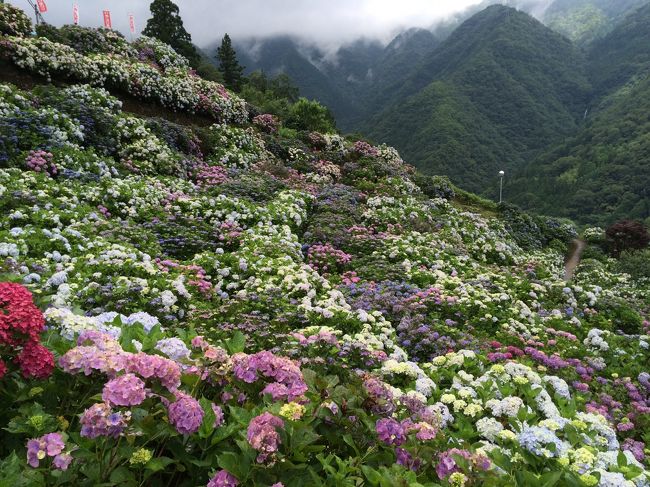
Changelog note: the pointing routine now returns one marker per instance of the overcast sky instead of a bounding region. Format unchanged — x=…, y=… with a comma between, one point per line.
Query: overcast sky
x=325, y=21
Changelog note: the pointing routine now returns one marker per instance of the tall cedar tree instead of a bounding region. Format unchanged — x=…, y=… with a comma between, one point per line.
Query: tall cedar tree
x=166, y=25
x=229, y=66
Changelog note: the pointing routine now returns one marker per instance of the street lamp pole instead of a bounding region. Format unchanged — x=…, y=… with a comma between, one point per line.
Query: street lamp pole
x=501, y=174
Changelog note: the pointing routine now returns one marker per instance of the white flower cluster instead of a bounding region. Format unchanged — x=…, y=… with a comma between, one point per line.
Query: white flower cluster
x=176, y=89
x=595, y=340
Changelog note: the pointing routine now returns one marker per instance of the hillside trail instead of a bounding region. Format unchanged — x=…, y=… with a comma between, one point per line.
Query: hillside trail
x=573, y=259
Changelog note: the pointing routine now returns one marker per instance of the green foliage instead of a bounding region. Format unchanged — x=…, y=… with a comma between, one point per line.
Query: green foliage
x=209, y=71
x=274, y=95
x=581, y=24
x=535, y=232
x=166, y=25
x=312, y=116
x=229, y=65
x=635, y=263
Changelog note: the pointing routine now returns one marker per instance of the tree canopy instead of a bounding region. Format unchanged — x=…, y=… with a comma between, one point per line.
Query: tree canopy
x=233, y=72
x=166, y=25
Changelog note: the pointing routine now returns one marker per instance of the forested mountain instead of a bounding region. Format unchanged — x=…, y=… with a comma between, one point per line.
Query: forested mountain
x=303, y=63
x=342, y=80
x=501, y=88
x=603, y=173
x=584, y=21
x=623, y=54
x=559, y=106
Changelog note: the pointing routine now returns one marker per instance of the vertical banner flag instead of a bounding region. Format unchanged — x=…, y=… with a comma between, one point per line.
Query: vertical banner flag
x=107, y=19
x=42, y=8
x=132, y=23
x=75, y=14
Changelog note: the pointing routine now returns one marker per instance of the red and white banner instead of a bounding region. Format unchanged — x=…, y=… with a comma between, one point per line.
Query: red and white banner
x=132, y=23
x=75, y=14
x=42, y=8
x=107, y=19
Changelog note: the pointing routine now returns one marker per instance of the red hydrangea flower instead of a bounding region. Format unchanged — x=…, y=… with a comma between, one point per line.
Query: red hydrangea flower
x=35, y=361
x=20, y=320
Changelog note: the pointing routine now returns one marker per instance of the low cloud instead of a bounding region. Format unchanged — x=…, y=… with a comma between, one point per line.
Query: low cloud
x=331, y=22
x=328, y=23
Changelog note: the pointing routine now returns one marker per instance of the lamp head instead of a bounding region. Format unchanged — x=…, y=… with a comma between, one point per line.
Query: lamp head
x=501, y=173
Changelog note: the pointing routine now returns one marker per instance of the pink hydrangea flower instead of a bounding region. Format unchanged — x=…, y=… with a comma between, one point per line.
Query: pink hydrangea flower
x=263, y=436
x=126, y=390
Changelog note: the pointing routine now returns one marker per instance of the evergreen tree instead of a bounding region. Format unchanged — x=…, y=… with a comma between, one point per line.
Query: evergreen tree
x=229, y=66
x=166, y=25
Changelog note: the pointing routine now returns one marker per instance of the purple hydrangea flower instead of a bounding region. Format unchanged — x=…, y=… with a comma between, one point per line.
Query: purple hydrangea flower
x=288, y=384
x=636, y=447
x=62, y=461
x=391, y=432
x=154, y=366
x=405, y=459
x=223, y=478
x=49, y=445
x=185, y=414
x=100, y=420
x=446, y=465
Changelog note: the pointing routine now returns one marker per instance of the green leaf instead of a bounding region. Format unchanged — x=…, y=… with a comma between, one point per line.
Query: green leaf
x=207, y=426
x=373, y=476
x=120, y=475
x=158, y=463
x=236, y=343
x=235, y=464
x=621, y=460
x=526, y=479
x=549, y=479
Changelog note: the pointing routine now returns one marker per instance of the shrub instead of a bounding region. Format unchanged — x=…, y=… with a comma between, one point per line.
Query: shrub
x=635, y=263
x=13, y=21
x=435, y=186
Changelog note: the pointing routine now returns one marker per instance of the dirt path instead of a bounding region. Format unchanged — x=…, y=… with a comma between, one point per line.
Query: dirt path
x=573, y=259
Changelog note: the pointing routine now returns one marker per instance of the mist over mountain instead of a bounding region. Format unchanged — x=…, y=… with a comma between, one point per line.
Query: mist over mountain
x=516, y=86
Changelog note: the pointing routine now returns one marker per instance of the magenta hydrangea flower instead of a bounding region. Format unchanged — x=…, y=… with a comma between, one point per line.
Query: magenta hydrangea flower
x=49, y=445
x=185, y=414
x=405, y=459
x=62, y=461
x=126, y=390
x=263, y=436
x=223, y=478
x=218, y=415
x=100, y=420
x=390, y=431
x=446, y=465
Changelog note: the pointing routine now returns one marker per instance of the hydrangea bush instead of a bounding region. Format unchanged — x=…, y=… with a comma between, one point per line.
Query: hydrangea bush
x=230, y=305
